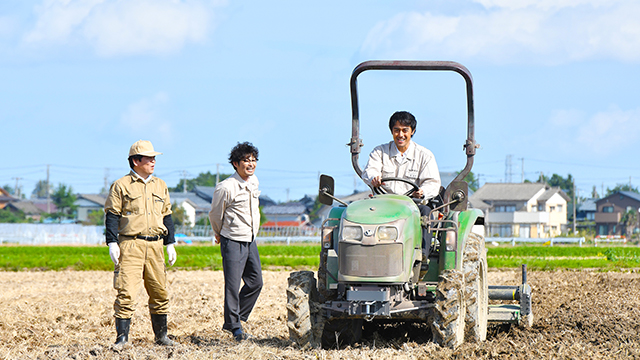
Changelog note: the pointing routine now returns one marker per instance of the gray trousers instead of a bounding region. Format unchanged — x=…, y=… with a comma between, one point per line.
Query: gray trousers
x=240, y=261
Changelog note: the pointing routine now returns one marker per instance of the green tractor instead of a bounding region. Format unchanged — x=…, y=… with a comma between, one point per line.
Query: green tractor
x=371, y=260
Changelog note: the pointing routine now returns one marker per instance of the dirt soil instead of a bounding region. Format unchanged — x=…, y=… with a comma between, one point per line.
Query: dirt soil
x=69, y=315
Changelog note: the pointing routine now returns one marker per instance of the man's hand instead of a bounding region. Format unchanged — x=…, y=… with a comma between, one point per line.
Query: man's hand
x=171, y=253
x=217, y=238
x=376, y=181
x=418, y=194
x=114, y=252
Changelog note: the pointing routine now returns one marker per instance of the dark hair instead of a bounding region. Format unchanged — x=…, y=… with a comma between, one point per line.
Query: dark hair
x=405, y=118
x=240, y=151
x=137, y=157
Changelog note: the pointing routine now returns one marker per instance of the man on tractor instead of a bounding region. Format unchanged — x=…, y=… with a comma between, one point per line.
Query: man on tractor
x=404, y=159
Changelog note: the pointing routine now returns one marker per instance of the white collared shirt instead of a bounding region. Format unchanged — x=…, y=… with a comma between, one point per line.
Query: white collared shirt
x=417, y=165
x=235, y=212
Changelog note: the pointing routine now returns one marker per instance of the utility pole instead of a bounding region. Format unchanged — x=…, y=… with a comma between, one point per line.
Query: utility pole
x=574, y=206
x=48, y=194
x=522, y=168
x=16, y=191
x=217, y=173
x=507, y=169
x=287, y=194
x=184, y=188
x=106, y=180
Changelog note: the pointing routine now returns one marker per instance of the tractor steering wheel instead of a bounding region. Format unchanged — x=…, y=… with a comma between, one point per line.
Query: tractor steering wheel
x=379, y=190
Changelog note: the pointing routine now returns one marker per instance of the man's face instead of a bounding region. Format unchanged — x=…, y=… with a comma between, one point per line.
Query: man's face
x=401, y=136
x=246, y=167
x=145, y=166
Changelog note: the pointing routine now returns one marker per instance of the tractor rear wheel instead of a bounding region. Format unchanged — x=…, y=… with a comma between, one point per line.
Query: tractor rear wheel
x=476, y=289
x=304, y=321
x=449, y=312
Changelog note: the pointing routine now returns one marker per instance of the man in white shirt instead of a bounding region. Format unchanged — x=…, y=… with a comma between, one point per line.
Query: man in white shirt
x=235, y=220
x=403, y=158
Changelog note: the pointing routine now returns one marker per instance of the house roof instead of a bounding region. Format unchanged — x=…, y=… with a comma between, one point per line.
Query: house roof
x=198, y=202
x=98, y=199
x=629, y=194
x=42, y=205
x=292, y=208
x=507, y=192
x=27, y=207
x=288, y=223
x=552, y=191
x=587, y=205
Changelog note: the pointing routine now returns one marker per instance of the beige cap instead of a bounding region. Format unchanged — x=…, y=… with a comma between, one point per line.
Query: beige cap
x=144, y=148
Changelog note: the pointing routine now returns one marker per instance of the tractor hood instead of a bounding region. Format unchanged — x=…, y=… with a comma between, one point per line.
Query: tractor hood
x=381, y=209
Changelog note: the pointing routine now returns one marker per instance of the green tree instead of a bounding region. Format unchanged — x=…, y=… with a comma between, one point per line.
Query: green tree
x=9, y=189
x=8, y=216
x=95, y=217
x=472, y=180
x=179, y=215
x=40, y=191
x=622, y=187
x=65, y=200
x=630, y=221
x=203, y=179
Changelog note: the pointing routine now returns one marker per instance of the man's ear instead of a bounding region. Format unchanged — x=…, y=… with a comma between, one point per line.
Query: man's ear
x=235, y=165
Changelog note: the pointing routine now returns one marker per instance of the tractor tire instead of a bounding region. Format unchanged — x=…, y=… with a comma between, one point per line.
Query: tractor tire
x=325, y=294
x=476, y=289
x=449, y=311
x=303, y=316
x=339, y=333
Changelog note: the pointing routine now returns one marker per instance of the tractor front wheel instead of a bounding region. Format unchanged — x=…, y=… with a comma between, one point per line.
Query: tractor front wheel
x=449, y=312
x=304, y=321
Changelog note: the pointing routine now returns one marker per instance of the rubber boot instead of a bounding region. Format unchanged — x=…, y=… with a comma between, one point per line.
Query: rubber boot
x=122, y=331
x=159, y=323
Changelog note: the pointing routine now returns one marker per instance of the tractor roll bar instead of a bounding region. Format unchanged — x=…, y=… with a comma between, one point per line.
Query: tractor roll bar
x=356, y=143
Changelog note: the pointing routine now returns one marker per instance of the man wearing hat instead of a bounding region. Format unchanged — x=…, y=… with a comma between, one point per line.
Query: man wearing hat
x=138, y=223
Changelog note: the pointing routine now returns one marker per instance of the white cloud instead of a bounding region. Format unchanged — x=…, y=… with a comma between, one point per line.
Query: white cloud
x=122, y=27
x=610, y=131
x=506, y=31
x=145, y=117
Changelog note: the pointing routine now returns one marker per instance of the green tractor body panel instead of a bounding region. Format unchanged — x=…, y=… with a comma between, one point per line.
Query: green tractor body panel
x=375, y=258
x=381, y=209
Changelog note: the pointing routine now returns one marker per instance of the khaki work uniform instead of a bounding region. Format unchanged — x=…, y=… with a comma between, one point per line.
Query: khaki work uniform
x=141, y=207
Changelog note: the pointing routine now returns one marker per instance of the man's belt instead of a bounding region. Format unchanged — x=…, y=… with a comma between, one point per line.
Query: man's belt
x=144, y=237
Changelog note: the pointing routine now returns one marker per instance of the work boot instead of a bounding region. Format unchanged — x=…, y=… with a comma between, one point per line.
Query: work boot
x=122, y=331
x=159, y=323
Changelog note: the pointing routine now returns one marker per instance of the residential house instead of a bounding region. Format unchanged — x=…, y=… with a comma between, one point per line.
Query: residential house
x=5, y=198
x=28, y=208
x=87, y=204
x=529, y=210
x=586, y=214
x=610, y=212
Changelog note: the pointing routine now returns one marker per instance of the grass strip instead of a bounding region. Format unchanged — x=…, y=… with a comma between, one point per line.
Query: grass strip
x=299, y=256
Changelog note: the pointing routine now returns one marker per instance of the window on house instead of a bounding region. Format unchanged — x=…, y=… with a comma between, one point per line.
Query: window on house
x=607, y=209
x=603, y=230
x=540, y=207
x=559, y=208
x=552, y=208
x=591, y=217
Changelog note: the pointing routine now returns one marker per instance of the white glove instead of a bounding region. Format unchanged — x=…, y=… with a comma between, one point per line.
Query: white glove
x=114, y=252
x=171, y=253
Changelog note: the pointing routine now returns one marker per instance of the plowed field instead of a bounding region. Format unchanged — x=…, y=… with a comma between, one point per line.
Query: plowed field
x=68, y=315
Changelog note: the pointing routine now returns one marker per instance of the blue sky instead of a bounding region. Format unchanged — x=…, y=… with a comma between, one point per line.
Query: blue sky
x=555, y=86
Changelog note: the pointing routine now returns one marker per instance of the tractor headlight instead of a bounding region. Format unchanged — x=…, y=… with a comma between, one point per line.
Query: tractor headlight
x=388, y=233
x=352, y=233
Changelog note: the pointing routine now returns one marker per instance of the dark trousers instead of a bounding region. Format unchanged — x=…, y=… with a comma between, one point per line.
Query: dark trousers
x=240, y=261
x=426, y=235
